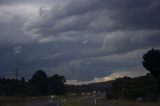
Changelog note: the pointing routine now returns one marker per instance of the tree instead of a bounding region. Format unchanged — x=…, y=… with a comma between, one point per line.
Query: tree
x=131, y=88
x=11, y=87
x=151, y=61
x=38, y=85
x=56, y=84
x=23, y=87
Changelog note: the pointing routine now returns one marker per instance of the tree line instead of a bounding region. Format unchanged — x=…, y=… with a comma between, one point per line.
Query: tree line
x=89, y=88
x=132, y=88
x=39, y=85
x=146, y=86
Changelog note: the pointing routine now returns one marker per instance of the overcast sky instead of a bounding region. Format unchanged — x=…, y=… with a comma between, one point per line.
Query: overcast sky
x=84, y=40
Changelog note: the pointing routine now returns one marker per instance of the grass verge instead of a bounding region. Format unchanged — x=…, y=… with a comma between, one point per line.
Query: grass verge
x=17, y=101
x=133, y=103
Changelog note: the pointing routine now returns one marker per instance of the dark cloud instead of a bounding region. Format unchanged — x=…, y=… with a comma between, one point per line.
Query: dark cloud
x=8, y=2
x=98, y=15
x=87, y=38
x=12, y=30
x=139, y=14
x=116, y=41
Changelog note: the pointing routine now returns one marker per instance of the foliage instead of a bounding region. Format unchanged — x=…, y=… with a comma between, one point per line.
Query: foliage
x=131, y=88
x=38, y=85
x=151, y=61
x=56, y=84
x=12, y=87
x=102, y=86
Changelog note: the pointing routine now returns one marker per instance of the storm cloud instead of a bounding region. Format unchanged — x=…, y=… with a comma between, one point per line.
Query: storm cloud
x=88, y=38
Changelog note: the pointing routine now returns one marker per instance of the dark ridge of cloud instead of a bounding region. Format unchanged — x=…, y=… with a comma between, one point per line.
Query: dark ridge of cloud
x=140, y=14
x=121, y=42
x=98, y=15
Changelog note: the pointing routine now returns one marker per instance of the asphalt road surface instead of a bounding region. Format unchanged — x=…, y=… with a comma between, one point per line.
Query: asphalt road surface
x=49, y=103
x=91, y=99
x=99, y=99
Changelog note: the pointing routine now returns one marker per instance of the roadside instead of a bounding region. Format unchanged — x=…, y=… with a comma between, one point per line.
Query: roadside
x=71, y=101
x=101, y=101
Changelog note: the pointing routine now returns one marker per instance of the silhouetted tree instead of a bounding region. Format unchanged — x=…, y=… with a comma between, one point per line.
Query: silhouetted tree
x=38, y=85
x=23, y=87
x=11, y=87
x=56, y=84
x=151, y=61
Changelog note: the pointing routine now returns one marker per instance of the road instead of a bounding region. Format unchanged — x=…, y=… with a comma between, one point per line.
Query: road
x=49, y=103
x=91, y=98
x=99, y=100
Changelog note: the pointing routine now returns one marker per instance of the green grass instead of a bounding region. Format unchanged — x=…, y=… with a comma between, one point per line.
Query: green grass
x=17, y=101
x=71, y=101
x=108, y=104
x=11, y=100
x=133, y=103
